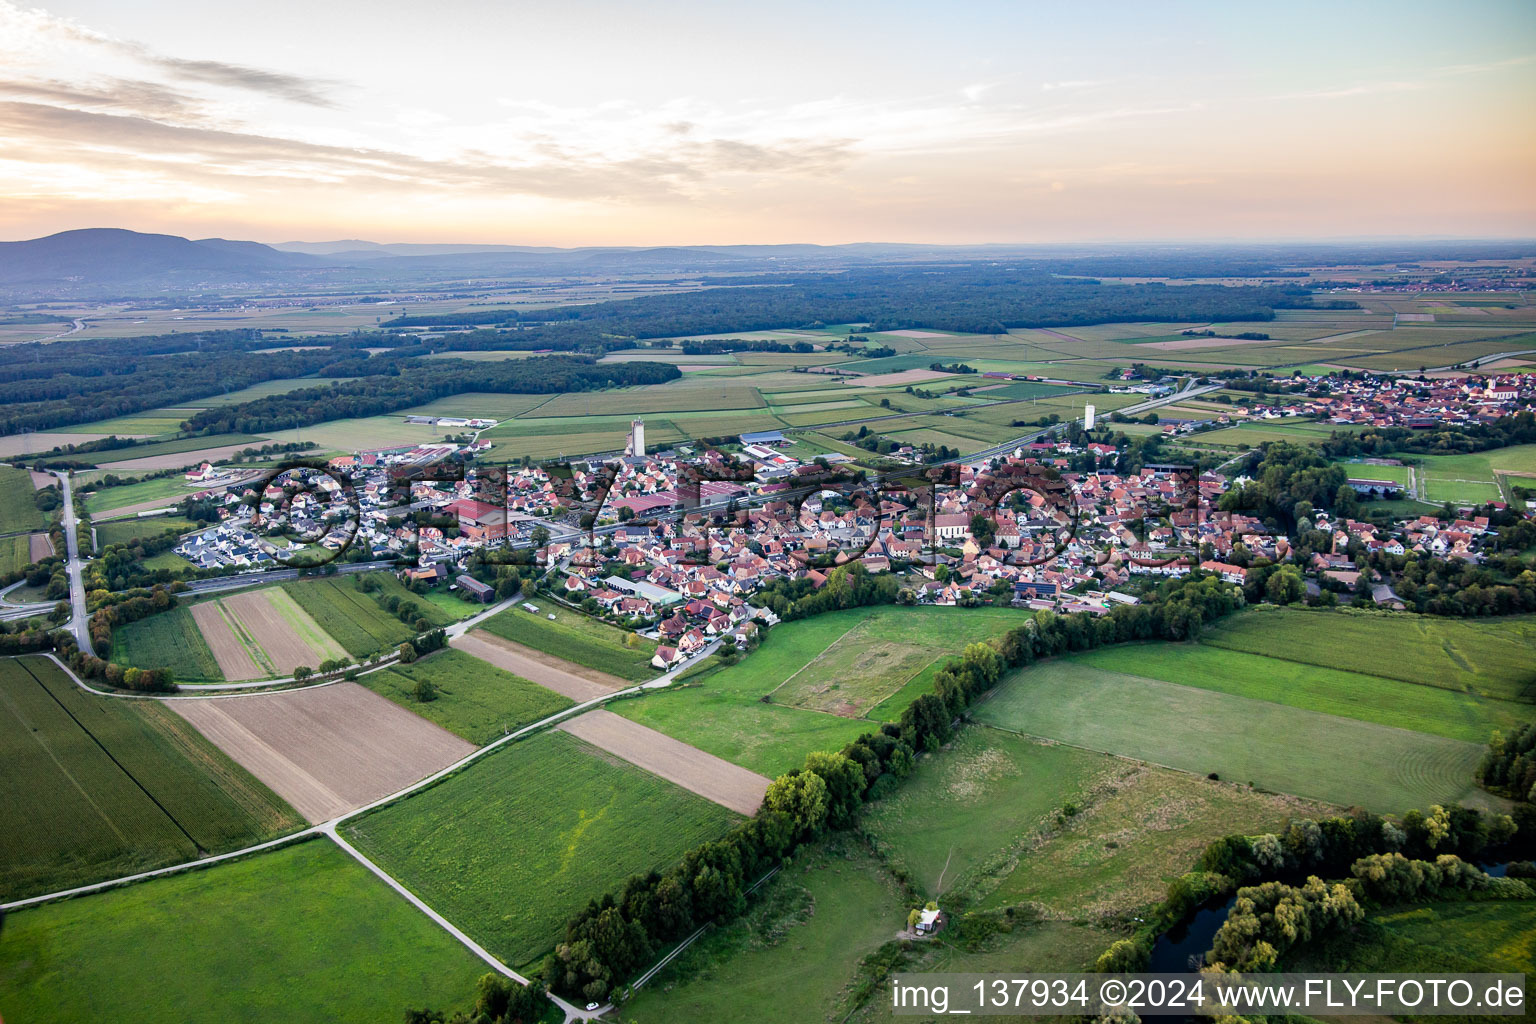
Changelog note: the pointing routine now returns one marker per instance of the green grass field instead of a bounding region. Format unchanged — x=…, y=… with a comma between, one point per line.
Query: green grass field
x=514, y=844
x=475, y=700
x=167, y=640
x=15, y=552
x=354, y=619
x=1473, y=478
x=879, y=652
x=18, y=509
x=110, y=787
x=724, y=714
x=1279, y=748
x=303, y=934
x=126, y=531
x=1492, y=658
x=1428, y=709
x=1138, y=830
x=577, y=638
x=977, y=803
x=789, y=959
x=103, y=499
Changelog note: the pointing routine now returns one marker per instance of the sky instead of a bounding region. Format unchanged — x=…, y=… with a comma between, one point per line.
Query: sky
x=673, y=122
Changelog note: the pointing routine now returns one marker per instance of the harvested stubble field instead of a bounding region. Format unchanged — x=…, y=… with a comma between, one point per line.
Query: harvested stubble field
x=327, y=749
x=514, y=844
x=278, y=633
x=563, y=677
x=711, y=777
x=108, y=787
x=234, y=654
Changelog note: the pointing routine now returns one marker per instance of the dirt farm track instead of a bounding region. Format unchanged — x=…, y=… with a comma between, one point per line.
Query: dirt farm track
x=326, y=750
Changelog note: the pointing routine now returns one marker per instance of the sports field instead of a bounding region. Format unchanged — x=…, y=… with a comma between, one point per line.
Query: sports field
x=514, y=844
x=577, y=638
x=168, y=640
x=1488, y=657
x=1278, y=748
x=108, y=787
x=303, y=934
x=474, y=699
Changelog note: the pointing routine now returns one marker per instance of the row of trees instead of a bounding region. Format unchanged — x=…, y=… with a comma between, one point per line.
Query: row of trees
x=615, y=936
x=498, y=1000
x=1519, y=428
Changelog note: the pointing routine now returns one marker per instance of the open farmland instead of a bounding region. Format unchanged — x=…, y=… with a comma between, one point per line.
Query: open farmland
x=1489, y=657
x=127, y=531
x=260, y=633
x=577, y=638
x=302, y=933
x=18, y=510
x=326, y=749
x=164, y=491
x=15, y=552
x=474, y=699
x=1367, y=698
x=1279, y=748
x=515, y=843
x=562, y=677
x=109, y=787
x=711, y=777
x=353, y=618
x=171, y=640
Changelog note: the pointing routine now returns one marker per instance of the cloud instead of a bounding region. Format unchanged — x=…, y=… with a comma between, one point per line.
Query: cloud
x=293, y=88
x=46, y=133
x=148, y=98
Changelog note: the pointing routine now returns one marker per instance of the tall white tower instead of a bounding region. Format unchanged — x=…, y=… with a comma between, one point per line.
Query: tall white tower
x=1088, y=417
x=637, y=438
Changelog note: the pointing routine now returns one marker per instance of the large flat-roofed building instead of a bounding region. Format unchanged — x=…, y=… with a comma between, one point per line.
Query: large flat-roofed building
x=479, y=520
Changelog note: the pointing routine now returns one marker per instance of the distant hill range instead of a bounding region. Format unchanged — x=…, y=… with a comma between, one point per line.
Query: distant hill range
x=111, y=262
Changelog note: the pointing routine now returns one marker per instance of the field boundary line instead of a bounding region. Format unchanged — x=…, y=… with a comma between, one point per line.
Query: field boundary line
x=818, y=657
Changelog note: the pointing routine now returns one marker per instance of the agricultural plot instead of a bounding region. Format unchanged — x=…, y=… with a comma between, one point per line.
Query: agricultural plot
x=472, y=698
x=108, y=787
x=235, y=651
x=277, y=632
x=1278, y=748
x=126, y=531
x=15, y=552
x=303, y=933
x=18, y=510
x=168, y=490
x=713, y=778
x=698, y=394
x=1367, y=698
x=577, y=638
x=1491, y=659
x=170, y=640
x=354, y=619
x=562, y=677
x=328, y=749
x=513, y=845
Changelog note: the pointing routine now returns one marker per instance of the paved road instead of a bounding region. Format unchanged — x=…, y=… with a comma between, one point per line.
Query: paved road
x=78, y=621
